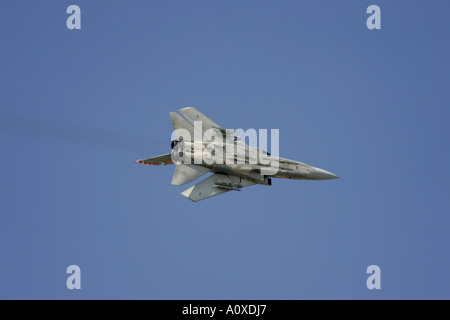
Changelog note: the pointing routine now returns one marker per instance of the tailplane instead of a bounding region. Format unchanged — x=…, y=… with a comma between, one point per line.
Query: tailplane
x=185, y=173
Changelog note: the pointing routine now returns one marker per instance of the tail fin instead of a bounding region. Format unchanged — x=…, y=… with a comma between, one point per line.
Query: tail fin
x=192, y=115
x=179, y=122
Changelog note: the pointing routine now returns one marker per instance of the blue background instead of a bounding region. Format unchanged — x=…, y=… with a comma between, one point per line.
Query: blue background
x=78, y=107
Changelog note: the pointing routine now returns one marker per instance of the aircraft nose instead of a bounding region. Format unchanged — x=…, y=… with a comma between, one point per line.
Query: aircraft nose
x=320, y=174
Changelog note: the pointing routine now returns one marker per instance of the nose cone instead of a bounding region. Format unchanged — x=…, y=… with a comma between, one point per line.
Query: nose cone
x=320, y=174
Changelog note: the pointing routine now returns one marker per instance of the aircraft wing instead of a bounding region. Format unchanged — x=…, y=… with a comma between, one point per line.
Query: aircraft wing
x=159, y=160
x=214, y=185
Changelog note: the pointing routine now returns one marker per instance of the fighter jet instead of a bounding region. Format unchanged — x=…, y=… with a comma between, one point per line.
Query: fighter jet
x=200, y=146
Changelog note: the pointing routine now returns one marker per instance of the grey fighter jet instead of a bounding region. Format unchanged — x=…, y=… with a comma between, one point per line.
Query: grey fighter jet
x=200, y=146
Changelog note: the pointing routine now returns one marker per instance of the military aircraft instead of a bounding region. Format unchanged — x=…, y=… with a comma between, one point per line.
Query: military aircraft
x=195, y=153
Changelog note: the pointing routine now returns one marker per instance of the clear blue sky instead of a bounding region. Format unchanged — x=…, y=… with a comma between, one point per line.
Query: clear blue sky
x=78, y=107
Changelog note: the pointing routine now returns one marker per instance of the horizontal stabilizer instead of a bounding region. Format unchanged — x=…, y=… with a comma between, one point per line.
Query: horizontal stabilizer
x=185, y=173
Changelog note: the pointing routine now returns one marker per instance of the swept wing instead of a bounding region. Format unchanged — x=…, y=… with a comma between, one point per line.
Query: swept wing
x=214, y=185
x=158, y=160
